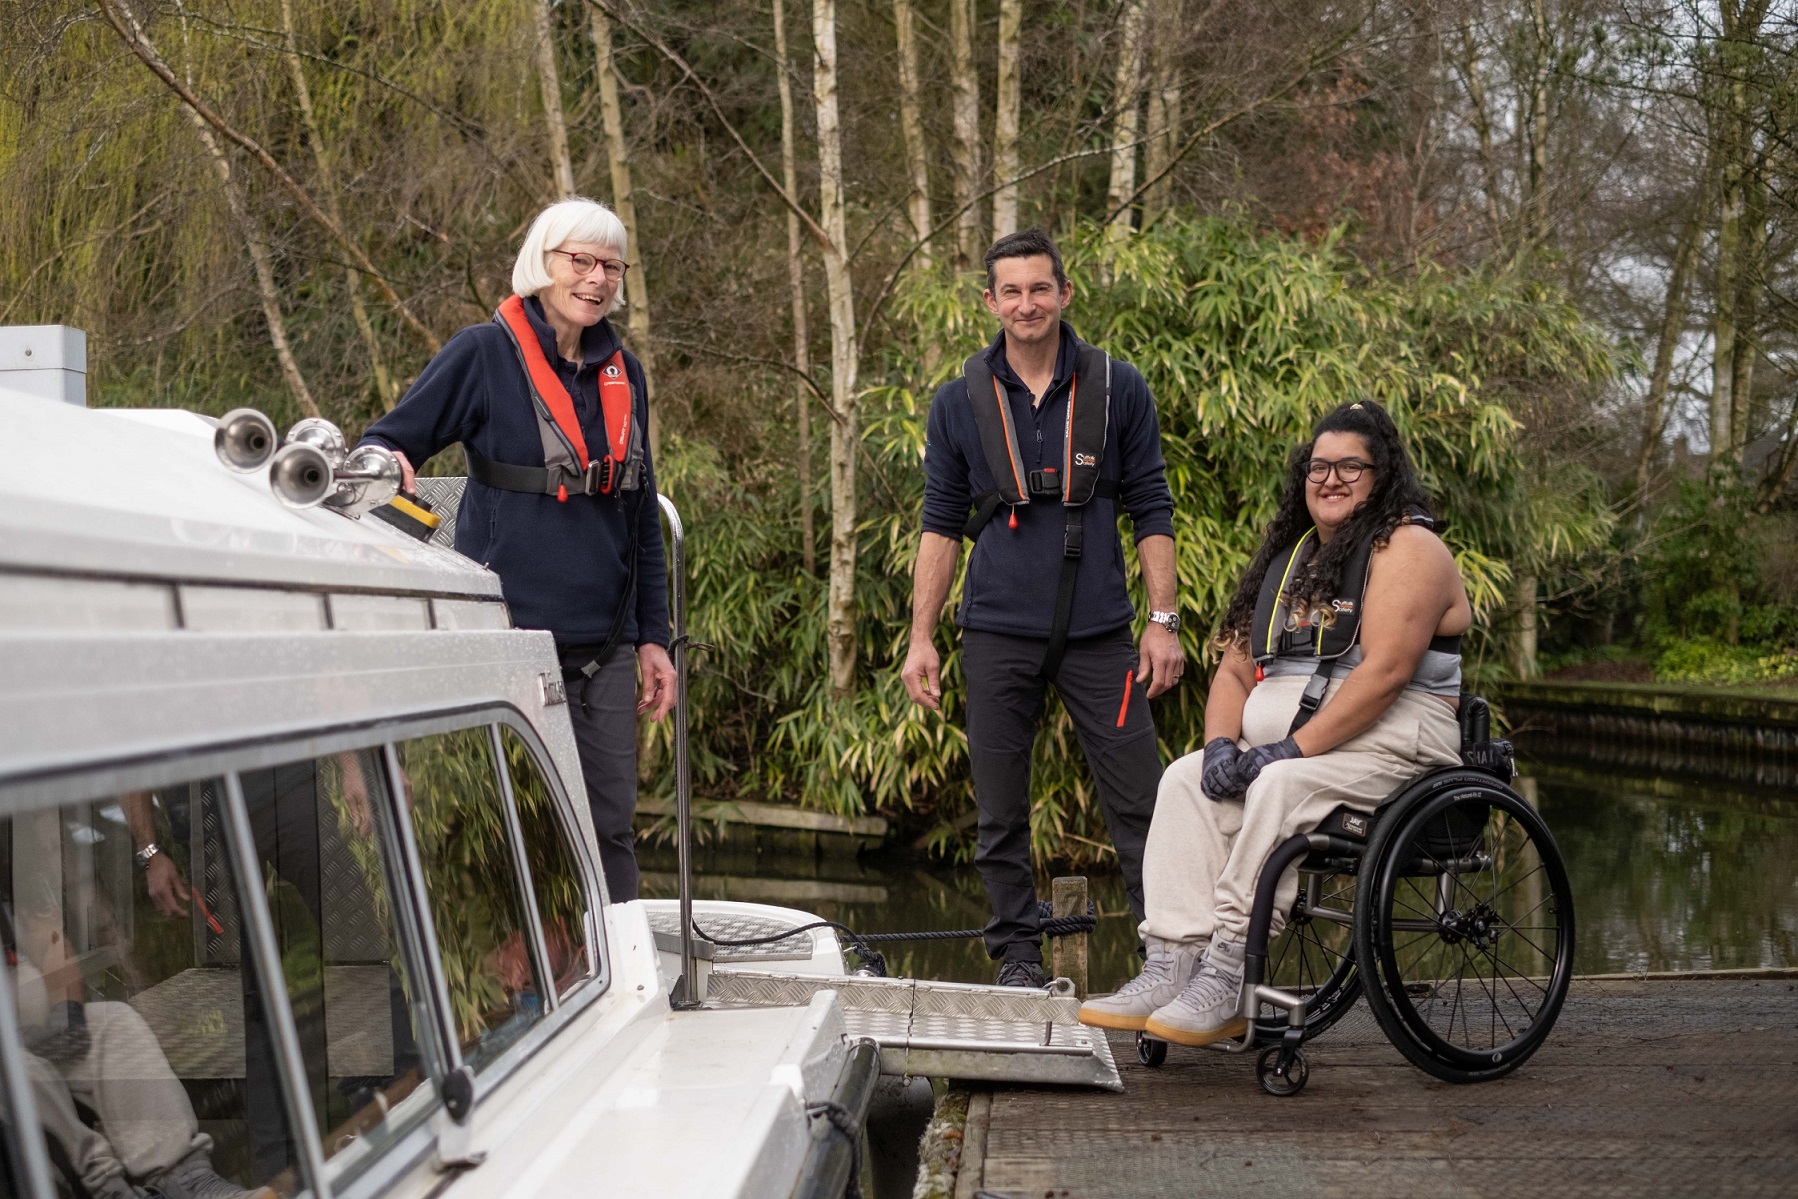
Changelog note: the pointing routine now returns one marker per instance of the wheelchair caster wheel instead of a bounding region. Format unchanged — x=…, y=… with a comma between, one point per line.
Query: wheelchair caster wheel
x=1150, y=1051
x=1283, y=1085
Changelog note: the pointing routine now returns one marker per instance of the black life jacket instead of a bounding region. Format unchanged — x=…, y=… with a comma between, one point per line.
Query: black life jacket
x=1326, y=640
x=567, y=465
x=1075, y=482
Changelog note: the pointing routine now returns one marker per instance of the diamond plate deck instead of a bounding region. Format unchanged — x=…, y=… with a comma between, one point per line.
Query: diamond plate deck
x=444, y=494
x=953, y=1030
x=740, y=927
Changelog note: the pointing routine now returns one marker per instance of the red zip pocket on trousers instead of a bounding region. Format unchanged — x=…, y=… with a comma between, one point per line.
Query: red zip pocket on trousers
x=1124, y=708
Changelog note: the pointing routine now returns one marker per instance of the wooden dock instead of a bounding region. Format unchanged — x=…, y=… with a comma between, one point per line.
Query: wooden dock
x=1646, y=1088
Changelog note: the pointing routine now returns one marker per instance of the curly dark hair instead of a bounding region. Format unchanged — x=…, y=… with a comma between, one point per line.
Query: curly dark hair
x=1396, y=494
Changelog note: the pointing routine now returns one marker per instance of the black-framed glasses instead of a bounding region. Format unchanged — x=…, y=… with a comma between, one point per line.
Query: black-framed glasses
x=1349, y=470
x=583, y=264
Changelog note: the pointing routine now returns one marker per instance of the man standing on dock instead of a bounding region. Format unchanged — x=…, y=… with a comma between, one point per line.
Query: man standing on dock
x=1041, y=438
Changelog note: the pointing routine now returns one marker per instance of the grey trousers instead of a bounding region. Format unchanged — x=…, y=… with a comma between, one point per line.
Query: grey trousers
x=604, y=712
x=1005, y=705
x=146, y=1121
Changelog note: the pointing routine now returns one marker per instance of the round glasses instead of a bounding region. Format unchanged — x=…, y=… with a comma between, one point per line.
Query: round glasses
x=583, y=264
x=1349, y=470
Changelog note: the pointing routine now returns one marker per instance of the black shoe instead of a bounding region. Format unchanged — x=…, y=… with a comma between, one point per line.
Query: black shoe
x=1020, y=972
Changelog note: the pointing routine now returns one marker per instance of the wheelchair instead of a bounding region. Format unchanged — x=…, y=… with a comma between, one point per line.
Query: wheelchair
x=1448, y=907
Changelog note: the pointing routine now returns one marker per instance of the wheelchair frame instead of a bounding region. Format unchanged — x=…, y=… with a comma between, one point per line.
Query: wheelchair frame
x=1333, y=848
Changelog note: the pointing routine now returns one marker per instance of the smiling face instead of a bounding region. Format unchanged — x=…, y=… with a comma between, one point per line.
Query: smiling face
x=1332, y=501
x=576, y=299
x=1026, y=298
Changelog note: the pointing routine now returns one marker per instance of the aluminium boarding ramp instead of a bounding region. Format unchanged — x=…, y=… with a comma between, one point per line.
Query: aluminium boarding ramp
x=923, y=1028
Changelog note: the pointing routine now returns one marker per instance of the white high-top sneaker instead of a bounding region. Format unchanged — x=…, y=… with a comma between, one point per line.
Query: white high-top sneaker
x=1205, y=1009
x=1169, y=965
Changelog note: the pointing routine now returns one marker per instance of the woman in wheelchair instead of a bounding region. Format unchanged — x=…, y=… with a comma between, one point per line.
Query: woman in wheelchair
x=1340, y=677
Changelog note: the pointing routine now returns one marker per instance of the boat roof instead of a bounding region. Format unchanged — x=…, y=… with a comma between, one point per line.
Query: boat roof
x=140, y=494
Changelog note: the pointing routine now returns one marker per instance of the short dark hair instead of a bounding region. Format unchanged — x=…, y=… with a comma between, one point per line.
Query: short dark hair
x=1026, y=243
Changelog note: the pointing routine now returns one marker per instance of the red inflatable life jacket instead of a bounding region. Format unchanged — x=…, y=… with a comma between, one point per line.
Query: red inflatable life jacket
x=568, y=464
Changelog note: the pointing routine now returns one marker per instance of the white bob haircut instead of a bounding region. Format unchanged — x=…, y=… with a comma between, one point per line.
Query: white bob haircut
x=576, y=219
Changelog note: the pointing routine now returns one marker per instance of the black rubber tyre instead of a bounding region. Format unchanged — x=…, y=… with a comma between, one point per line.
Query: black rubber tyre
x=1465, y=970
x=1150, y=1051
x=1313, y=957
x=1281, y=1086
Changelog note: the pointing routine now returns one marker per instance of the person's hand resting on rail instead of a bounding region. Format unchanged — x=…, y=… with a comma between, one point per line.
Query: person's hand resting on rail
x=1218, y=781
x=1254, y=761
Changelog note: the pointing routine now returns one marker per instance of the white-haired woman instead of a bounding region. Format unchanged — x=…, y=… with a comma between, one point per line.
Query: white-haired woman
x=552, y=412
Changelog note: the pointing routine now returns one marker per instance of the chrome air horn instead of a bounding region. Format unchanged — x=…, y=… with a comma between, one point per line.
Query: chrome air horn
x=313, y=465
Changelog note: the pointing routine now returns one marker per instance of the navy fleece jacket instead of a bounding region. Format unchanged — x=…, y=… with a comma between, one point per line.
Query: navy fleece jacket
x=562, y=565
x=1012, y=573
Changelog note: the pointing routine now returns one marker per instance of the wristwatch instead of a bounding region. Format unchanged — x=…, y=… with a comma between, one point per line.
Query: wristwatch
x=144, y=855
x=1167, y=620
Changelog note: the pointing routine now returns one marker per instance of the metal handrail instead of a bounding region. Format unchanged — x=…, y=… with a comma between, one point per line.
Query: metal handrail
x=687, y=989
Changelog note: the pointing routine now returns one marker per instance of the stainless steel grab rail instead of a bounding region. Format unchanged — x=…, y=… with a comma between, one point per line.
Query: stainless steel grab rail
x=686, y=993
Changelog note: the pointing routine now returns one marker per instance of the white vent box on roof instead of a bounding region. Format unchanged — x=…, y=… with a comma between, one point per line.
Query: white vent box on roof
x=48, y=361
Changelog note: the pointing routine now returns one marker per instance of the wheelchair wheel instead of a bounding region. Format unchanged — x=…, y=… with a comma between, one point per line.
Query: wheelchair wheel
x=1464, y=927
x=1314, y=956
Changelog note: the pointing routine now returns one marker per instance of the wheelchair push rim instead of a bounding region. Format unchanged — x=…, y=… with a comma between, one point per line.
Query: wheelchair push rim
x=1468, y=926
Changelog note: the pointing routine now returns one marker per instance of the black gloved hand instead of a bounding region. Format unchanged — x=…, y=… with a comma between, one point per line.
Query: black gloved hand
x=1254, y=761
x=1218, y=781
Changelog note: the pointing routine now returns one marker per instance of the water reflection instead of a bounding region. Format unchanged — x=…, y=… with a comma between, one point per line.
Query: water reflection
x=1672, y=869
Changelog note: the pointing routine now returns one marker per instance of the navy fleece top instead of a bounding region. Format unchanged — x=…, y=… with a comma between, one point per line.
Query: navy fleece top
x=562, y=565
x=1012, y=573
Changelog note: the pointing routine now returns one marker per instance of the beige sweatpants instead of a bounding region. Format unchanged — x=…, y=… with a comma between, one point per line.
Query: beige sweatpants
x=1204, y=858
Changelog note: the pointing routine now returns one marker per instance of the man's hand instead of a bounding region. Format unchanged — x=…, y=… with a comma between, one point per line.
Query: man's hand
x=1161, y=661
x=923, y=676
x=408, y=476
x=167, y=891
x=655, y=674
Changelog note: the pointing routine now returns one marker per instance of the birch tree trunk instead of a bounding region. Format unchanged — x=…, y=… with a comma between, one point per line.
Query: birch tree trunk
x=1164, y=102
x=636, y=280
x=1523, y=647
x=1730, y=204
x=1536, y=121
x=911, y=127
x=802, y=399
x=837, y=283
x=1005, y=120
x=1126, y=99
x=965, y=86
x=1673, y=324
x=327, y=180
x=550, y=84
x=266, y=289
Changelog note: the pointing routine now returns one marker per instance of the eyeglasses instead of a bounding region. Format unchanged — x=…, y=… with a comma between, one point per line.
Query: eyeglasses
x=1349, y=470
x=583, y=264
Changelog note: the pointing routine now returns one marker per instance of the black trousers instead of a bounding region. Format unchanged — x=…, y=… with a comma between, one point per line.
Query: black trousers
x=604, y=712
x=1005, y=705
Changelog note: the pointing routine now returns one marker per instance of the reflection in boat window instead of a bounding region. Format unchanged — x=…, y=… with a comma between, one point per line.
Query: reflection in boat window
x=472, y=885
x=146, y=1049
x=356, y=1010
x=562, y=903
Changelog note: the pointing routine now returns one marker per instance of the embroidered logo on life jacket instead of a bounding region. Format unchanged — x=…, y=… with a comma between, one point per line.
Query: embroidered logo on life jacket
x=1085, y=460
x=1344, y=606
x=612, y=371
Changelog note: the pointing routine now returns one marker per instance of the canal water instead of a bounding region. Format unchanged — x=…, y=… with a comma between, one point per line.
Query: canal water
x=1676, y=864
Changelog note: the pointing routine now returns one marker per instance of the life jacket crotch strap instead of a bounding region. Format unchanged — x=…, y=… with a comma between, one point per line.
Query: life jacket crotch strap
x=568, y=468
x=1075, y=482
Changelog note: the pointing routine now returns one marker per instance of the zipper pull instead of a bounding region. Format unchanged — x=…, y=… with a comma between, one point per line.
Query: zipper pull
x=1013, y=522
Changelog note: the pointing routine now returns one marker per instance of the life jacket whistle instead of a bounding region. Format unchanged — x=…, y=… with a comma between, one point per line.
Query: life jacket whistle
x=568, y=466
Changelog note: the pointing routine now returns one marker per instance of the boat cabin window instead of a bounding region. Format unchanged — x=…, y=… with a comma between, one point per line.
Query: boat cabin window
x=360, y=1018
x=562, y=907
x=472, y=884
x=146, y=1052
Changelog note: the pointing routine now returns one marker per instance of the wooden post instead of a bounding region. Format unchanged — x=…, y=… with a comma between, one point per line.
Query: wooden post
x=1068, y=954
